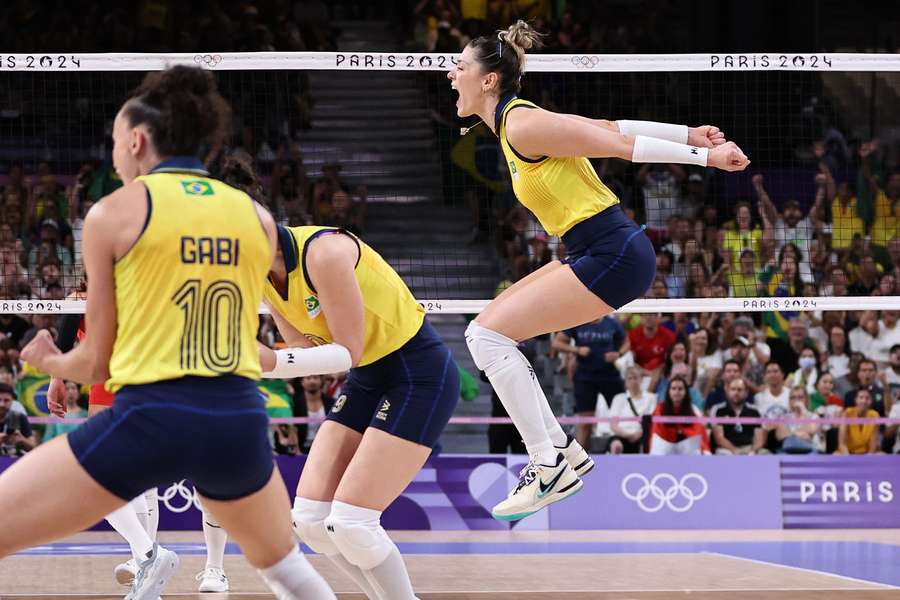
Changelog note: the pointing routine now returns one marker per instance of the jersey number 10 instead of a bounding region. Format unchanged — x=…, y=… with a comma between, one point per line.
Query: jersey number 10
x=212, y=325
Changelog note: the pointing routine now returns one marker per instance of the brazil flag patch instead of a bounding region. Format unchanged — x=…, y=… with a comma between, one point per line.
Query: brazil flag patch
x=197, y=187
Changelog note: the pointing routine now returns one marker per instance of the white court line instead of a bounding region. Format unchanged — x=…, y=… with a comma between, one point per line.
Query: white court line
x=805, y=570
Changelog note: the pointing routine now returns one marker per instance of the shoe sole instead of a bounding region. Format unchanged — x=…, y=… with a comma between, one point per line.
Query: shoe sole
x=154, y=589
x=211, y=590
x=571, y=489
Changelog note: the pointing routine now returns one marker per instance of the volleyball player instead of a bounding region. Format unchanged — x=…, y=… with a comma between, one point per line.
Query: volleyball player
x=137, y=521
x=339, y=306
x=610, y=263
x=176, y=262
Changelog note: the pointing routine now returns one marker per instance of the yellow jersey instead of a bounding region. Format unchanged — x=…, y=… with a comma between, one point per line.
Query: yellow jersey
x=560, y=191
x=188, y=291
x=887, y=220
x=845, y=223
x=860, y=436
x=392, y=315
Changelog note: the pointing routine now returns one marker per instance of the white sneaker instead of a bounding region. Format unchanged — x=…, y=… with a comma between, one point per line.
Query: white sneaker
x=153, y=574
x=576, y=456
x=125, y=572
x=539, y=486
x=212, y=579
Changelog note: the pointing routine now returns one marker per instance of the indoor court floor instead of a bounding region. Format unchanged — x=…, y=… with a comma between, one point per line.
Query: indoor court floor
x=526, y=565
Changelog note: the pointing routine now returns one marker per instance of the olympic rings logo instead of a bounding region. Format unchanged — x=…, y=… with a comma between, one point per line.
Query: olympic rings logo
x=188, y=495
x=586, y=62
x=210, y=60
x=665, y=490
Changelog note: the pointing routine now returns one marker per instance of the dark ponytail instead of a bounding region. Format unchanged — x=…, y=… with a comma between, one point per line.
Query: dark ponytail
x=182, y=109
x=239, y=173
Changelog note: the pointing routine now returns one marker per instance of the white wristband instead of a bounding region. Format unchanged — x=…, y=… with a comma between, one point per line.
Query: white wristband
x=652, y=150
x=300, y=362
x=661, y=131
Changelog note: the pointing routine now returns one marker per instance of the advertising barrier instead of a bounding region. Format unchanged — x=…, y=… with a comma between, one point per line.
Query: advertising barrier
x=456, y=492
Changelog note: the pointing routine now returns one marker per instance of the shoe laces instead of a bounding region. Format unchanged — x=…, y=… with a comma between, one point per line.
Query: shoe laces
x=142, y=567
x=528, y=474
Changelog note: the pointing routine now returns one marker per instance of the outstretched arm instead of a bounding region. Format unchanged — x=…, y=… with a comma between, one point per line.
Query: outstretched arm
x=538, y=132
x=705, y=136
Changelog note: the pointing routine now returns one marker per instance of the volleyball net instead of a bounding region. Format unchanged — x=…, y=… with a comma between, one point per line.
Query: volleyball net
x=371, y=142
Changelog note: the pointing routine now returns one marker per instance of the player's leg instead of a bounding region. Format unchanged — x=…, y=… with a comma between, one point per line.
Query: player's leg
x=333, y=448
x=35, y=481
x=212, y=578
x=421, y=397
x=260, y=523
x=618, y=268
x=126, y=521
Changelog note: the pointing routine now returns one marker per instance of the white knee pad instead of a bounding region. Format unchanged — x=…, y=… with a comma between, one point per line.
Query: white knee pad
x=488, y=347
x=309, y=524
x=358, y=534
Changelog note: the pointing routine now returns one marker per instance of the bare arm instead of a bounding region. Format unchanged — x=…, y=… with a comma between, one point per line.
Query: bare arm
x=767, y=208
x=331, y=264
x=561, y=344
x=759, y=439
x=290, y=335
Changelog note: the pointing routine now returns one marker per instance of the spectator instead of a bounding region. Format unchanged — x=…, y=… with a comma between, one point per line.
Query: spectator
x=821, y=331
x=824, y=401
x=890, y=375
x=633, y=402
x=759, y=350
x=677, y=365
x=660, y=185
x=730, y=372
x=744, y=281
x=866, y=277
x=741, y=354
x=772, y=401
x=310, y=401
x=76, y=408
x=843, y=385
x=13, y=327
x=679, y=232
x=738, y=438
x=887, y=337
x=807, y=373
x=286, y=441
x=706, y=361
x=680, y=271
x=16, y=435
x=797, y=438
x=859, y=439
x=787, y=353
x=866, y=374
x=846, y=223
x=836, y=283
x=677, y=438
x=650, y=343
x=345, y=213
x=863, y=335
x=681, y=325
x=598, y=345
x=791, y=227
x=742, y=236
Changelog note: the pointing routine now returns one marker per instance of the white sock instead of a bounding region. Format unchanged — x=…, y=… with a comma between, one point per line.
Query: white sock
x=293, y=578
x=514, y=380
x=556, y=433
x=125, y=521
x=215, y=538
x=319, y=510
x=139, y=504
x=389, y=577
x=152, y=512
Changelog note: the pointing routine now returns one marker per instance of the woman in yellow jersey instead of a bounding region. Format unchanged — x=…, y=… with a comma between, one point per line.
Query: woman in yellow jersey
x=611, y=262
x=176, y=263
x=339, y=305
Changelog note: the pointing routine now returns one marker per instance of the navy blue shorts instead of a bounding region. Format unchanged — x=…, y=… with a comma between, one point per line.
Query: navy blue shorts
x=611, y=256
x=211, y=430
x=410, y=393
x=586, y=389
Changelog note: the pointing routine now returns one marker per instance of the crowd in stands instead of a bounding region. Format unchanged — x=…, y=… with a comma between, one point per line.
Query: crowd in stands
x=835, y=234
